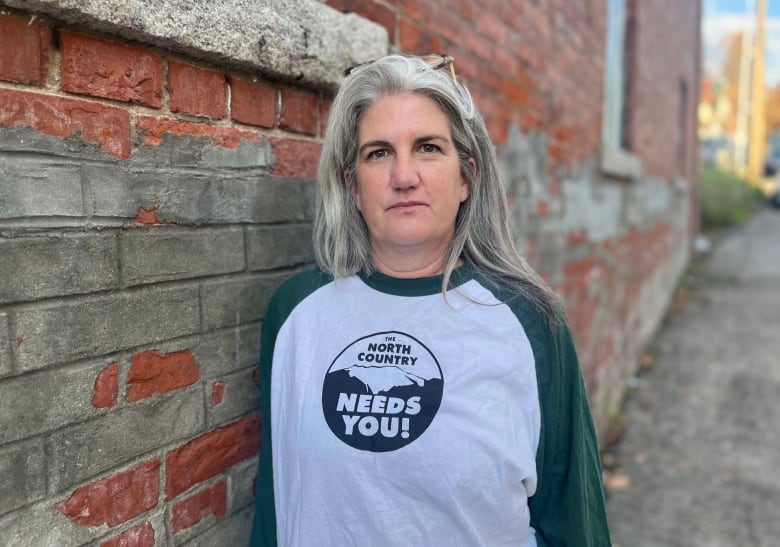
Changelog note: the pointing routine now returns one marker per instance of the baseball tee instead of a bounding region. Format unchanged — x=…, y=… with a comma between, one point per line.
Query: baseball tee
x=397, y=415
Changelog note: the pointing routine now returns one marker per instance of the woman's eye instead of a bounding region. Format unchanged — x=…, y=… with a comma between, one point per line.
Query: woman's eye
x=429, y=148
x=377, y=154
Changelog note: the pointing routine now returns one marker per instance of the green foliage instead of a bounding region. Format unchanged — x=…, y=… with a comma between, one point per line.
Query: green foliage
x=725, y=199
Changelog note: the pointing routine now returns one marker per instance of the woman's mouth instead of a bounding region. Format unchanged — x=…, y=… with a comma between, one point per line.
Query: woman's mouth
x=406, y=205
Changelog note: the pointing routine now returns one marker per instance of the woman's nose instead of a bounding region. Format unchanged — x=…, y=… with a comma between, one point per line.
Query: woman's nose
x=404, y=173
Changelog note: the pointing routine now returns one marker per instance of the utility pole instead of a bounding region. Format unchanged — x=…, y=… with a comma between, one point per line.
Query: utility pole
x=743, y=91
x=757, y=136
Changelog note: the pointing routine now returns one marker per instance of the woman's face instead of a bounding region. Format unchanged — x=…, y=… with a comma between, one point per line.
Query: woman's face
x=409, y=184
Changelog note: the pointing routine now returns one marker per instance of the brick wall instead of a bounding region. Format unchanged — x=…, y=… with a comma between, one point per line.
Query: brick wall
x=612, y=247
x=150, y=202
x=148, y=206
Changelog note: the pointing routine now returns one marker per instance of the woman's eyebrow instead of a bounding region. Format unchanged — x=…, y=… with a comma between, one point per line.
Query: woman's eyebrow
x=373, y=144
x=433, y=137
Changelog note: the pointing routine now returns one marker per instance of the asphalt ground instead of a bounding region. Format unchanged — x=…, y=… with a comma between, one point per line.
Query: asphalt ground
x=698, y=463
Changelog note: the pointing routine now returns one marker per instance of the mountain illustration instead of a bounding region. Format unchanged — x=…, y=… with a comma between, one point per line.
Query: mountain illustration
x=379, y=379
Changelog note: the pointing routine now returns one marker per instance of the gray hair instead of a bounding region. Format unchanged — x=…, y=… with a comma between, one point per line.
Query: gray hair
x=482, y=233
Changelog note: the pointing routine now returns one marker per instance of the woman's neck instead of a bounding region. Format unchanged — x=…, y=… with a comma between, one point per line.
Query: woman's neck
x=409, y=269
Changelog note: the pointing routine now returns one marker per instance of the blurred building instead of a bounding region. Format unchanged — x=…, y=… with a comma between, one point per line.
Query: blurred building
x=738, y=114
x=716, y=114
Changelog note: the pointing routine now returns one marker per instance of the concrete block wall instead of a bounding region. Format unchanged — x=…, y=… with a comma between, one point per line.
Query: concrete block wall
x=156, y=185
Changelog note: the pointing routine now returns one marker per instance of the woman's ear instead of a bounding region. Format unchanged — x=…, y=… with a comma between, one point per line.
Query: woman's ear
x=465, y=190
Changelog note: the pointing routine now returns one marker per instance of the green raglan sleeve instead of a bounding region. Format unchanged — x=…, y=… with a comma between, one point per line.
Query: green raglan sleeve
x=284, y=300
x=264, y=525
x=568, y=507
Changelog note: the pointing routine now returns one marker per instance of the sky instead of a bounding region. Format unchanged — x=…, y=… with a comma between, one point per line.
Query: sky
x=722, y=18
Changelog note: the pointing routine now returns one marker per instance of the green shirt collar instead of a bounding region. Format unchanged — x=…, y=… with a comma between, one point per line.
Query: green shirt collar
x=419, y=286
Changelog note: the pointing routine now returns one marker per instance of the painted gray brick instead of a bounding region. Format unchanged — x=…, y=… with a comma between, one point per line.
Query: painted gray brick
x=31, y=187
x=241, y=479
x=162, y=254
x=280, y=246
x=232, y=530
x=19, y=138
x=226, y=351
x=5, y=346
x=94, y=326
x=23, y=472
x=84, y=450
x=43, y=401
x=41, y=525
x=195, y=196
x=192, y=151
x=235, y=301
x=241, y=396
x=56, y=265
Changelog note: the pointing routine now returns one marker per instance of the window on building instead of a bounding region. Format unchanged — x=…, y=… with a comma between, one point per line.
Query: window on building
x=616, y=156
x=682, y=128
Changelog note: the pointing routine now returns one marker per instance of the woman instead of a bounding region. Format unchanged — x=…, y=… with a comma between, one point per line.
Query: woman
x=421, y=386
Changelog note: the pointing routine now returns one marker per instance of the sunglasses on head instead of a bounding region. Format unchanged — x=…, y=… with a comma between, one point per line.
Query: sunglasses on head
x=434, y=60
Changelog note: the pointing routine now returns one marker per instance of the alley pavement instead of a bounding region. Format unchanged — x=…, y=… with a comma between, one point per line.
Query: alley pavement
x=699, y=461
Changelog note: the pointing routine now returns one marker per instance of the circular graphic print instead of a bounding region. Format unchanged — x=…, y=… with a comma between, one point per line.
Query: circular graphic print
x=382, y=391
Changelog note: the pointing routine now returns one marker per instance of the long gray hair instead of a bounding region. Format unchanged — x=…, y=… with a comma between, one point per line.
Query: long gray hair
x=482, y=234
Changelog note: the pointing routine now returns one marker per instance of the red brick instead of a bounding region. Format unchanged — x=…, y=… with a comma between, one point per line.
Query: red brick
x=299, y=112
x=190, y=511
x=325, y=106
x=415, y=39
x=481, y=48
x=211, y=454
x=217, y=392
x=505, y=61
x=95, y=67
x=24, y=50
x=197, y=91
x=576, y=237
x=115, y=499
x=490, y=24
x=253, y=104
x=152, y=130
x=106, y=387
x=469, y=70
x=410, y=8
x=148, y=216
x=62, y=117
x=442, y=20
x=489, y=78
x=498, y=130
x=152, y=372
x=295, y=158
x=515, y=92
x=580, y=271
x=140, y=536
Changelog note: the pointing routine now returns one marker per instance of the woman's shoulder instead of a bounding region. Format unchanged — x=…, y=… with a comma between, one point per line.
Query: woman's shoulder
x=302, y=283
x=296, y=288
x=530, y=304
